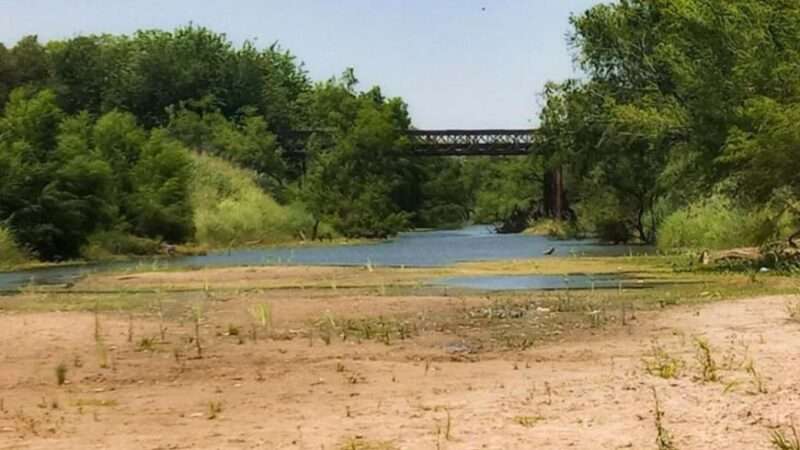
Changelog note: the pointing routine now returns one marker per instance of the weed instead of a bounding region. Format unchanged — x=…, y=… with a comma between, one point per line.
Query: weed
x=781, y=441
x=757, y=379
x=214, y=409
x=527, y=421
x=233, y=330
x=708, y=366
x=793, y=310
x=81, y=403
x=130, y=327
x=61, y=374
x=161, y=328
x=263, y=314
x=146, y=344
x=197, y=316
x=102, y=353
x=448, y=425
x=360, y=443
x=549, y=391
x=663, y=438
x=97, y=336
x=661, y=364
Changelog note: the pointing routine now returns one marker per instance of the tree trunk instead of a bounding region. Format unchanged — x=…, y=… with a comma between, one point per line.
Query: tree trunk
x=315, y=230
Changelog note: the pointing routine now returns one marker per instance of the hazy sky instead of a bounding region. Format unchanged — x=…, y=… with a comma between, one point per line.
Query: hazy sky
x=457, y=65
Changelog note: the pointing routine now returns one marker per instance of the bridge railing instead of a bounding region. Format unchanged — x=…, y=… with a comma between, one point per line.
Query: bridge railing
x=493, y=142
x=471, y=142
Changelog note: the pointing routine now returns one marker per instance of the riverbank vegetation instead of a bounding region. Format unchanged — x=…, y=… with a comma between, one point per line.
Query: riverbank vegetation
x=680, y=132
x=684, y=124
x=115, y=144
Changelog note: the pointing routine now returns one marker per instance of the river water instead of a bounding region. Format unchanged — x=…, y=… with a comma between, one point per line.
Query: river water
x=412, y=249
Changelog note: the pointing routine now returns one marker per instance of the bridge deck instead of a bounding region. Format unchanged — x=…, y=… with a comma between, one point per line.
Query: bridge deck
x=493, y=142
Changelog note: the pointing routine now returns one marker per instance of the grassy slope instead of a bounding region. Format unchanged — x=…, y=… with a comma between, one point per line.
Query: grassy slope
x=10, y=254
x=231, y=210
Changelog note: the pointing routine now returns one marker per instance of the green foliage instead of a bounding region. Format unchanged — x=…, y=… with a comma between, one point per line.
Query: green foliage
x=364, y=183
x=160, y=201
x=109, y=243
x=680, y=96
x=54, y=193
x=10, y=253
x=716, y=223
x=230, y=209
x=504, y=186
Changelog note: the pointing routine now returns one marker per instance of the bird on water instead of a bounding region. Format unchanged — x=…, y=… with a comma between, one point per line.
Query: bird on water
x=550, y=251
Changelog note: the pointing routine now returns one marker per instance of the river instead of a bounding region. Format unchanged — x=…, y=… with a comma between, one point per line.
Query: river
x=411, y=249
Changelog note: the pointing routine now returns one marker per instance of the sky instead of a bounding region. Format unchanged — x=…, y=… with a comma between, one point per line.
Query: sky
x=458, y=63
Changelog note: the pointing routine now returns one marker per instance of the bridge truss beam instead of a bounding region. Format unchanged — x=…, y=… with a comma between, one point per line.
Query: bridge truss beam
x=495, y=142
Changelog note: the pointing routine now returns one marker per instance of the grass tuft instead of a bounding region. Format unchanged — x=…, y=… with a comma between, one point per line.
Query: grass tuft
x=663, y=437
x=781, y=440
x=793, y=311
x=61, y=374
x=527, y=421
x=661, y=364
x=361, y=443
x=708, y=366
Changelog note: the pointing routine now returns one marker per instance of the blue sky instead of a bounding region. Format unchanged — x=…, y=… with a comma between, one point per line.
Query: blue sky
x=457, y=65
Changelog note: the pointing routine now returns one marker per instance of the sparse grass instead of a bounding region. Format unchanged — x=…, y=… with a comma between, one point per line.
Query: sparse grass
x=361, y=443
x=146, y=344
x=661, y=364
x=61, y=374
x=783, y=440
x=382, y=329
x=197, y=318
x=94, y=402
x=214, y=409
x=793, y=311
x=527, y=421
x=756, y=378
x=663, y=437
x=709, y=371
x=263, y=314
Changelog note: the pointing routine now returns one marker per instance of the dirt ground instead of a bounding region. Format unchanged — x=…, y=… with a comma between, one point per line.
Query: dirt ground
x=289, y=389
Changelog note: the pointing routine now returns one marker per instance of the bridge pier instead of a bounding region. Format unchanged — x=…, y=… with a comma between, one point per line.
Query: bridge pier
x=556, y=204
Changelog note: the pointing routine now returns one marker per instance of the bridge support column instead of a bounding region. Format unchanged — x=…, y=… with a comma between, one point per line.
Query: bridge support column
x=556, y=205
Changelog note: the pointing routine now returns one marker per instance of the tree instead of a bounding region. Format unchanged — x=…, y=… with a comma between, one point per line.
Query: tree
x=360, y=183
x=55, y=190
x=160, y=203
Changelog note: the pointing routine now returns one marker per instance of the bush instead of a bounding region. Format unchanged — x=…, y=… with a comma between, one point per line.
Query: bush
x=105, y=244
x=556, y=229
x=613, y=231
x=10, y=253
x=717, y=223
x=230, y=209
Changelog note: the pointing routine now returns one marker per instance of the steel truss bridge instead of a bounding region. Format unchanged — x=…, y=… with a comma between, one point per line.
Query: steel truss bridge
x=447, y=142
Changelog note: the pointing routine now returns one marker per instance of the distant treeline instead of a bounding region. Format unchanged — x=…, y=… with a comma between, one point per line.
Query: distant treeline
x=682, y=131
x=96, y=136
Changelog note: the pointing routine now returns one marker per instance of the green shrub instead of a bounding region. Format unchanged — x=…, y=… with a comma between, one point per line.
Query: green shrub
x=105, y=244
x=230, y=209
x=10, y=253
x=556, y=229
x=716, y=223
x=613, y=231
